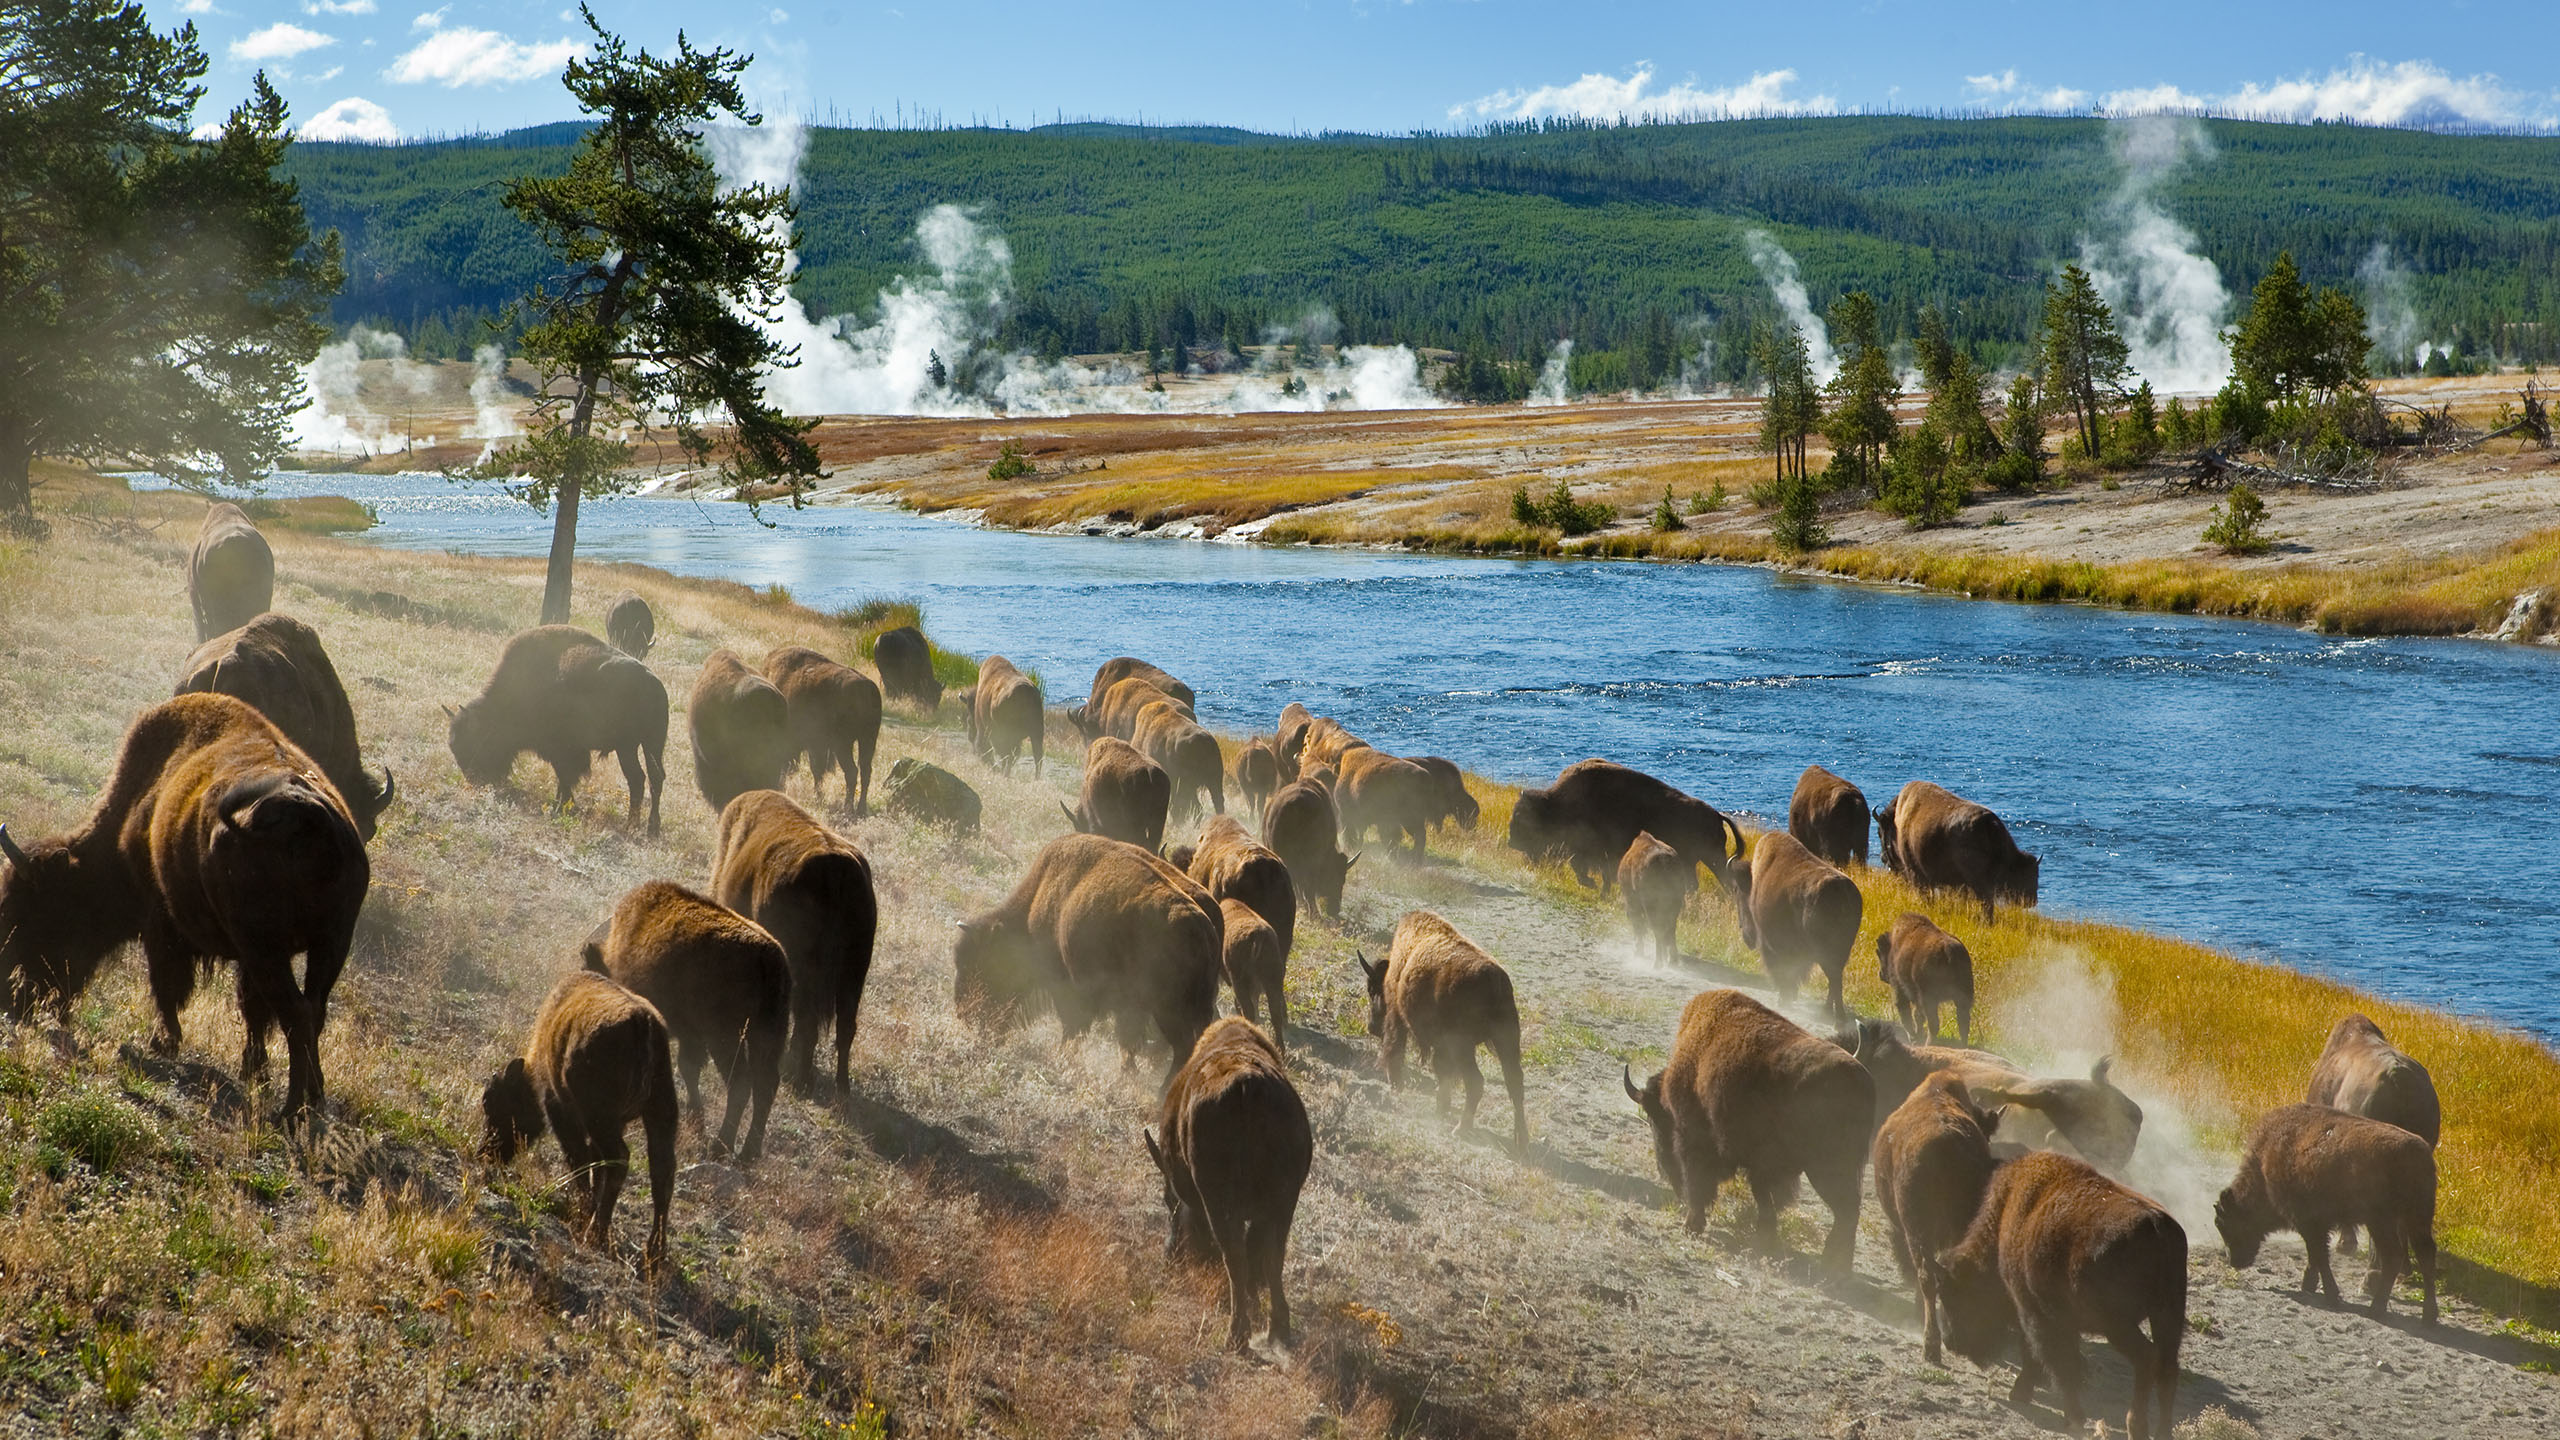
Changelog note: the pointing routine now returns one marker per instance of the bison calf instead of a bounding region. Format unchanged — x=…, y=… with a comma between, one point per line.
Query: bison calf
x=721, y=982
x=1829, y=815
x=1926, y=968
x=1005, y=714
x=1656, y=883
x=1234, y=1156
x=231, y=575
x=630, y=625
x=1933, y=1161
x=1124, y=794
x=1257, y=968
x=834, y=711
x=810, y=888
x=1800, y=912
x=567, y=697
x=741, y=727
x=1438, y=989
x=2311, y=1168
x=597, y=1060
x=905, y=662
x=1257, y=773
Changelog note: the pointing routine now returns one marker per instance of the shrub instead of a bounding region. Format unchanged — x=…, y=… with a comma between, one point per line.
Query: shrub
x=1713, y=500
x=2234, y=524
x=99, y=1131
x=1011, y=463
x=1560, y=511
x=1799, y=526
x=1666, y=516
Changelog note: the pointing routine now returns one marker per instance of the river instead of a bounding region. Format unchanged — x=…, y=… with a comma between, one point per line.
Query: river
x=2371, y=810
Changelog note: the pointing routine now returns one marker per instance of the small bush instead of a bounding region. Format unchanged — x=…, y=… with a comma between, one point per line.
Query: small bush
x=1560, y=511
x=1666, y=516
x=99, y=1131
x=1710, y=502
x=1011, y=463
x=2234, y=524
x=1799, y=526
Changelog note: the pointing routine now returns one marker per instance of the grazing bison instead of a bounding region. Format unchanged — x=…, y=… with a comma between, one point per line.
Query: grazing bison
x=905, y=663
x=1234, y=1156
x=277, y=664
x=1114, y=671
x=1747, y=1090
x=2361, y=1073
x=1231, y=865
x=630, y=625
x=1941, y=841
x=741, y=728
x=1595, y=809
x=1656, y=883
x=596, y=1061
x=721, y=982
x=1450, y=800
x=1395, y=797
x=810, y=888
x=216, y=839
x=1257, y=968
x=1188, y=754
x=1440, y=990
x=1124, y=795
x=1829, y=815
x=1256, y=773
x=1005, y=714
x=1933, y=1162
x=1926, y=968
x=2310, y=1168
x=1299, y=826
x=1800, y=912
x=231, y=576
x=835, y=718
x=567, y=697
x=931, y=795
x=2057, y=1251
x=1097, y=927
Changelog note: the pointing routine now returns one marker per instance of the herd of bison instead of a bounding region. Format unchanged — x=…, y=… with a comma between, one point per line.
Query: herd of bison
x=235, y=825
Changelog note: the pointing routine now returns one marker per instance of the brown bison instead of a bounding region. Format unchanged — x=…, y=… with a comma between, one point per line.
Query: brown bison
x=1438, y=989
x=1124, y=795
x=1450, y=798
x=931, y=795
x=905, y=663
x=1289, y=737
x=810, y=888
x=1257, y=968
x=1747, y=1090
x=1800, y=912
x=215, y=839
x=1595, y=809
x=1114, y=671
x=1933, y=1163
x=1656, y=883
x=1114, y=712
x=1230, y=864
x=596, y=1061
x=2311, y=1168
x=1005, y=714
x=2058, y=1251
x=2091, y=1118
x=1234, y=1156
x=567, y=697
x=1380, y=792
x=1097, y=927
x=1898, y=1067
x=2361, y=1073
x=1299, y=826
x=1829, y=815
x=835, y=718
x=277, y=664
x=1325, y=742
x=630, y=625
x=741, y=727
x=231, y=576
x=1256, y=772
x=1941, y=841
x=1926, y=968
x=721, y=982
x=1188, y=753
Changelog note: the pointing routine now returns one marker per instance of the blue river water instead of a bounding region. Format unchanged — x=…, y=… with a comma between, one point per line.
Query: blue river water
x=2379, y=811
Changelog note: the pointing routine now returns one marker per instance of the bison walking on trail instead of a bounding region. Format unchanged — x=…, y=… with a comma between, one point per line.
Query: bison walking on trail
x=231, y=575
x=1438, y=989
x=278, y=665
x=811, y=890
x=1595, y=809
x=1124, y=794
x=1945, y=842
x=630, y=625
x=567, y=697
x=1256, y=773
x=1005, y=714
x=1656, y=883
x=596, y=1061
x=1829, y=815
x=1933, y=1161
x=1449, y=798
x=1231, y=865
x=1257, y=968
x=1394, y=797
x=1115, y=711
x=1800, y=912
x=741, y=727
x=2362, y=1073
x=1299, y=826
x=834, y=712
x=905, y=663
x=2311, y=1168
x=1926, y=969
x=721, y=982
x=1124, y=667
x=1189, y=754
x=1235, y=1152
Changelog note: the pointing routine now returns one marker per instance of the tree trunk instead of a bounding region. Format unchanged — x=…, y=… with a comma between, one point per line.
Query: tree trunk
x=564, y=550
x=17, y=496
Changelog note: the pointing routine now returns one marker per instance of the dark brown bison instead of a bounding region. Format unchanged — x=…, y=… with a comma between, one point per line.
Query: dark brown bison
x=1829, y=815
x=1933, y=1163
x=1124, y=794
x=2057, y=1251
x=1299, y=826
x=1450, y=798
x=1230, y=864
x=1800, y=912
x=1257, y=773
x=1898, y=1067
x=1942, y=841
x=1188, y=753
x=2089, y=1118
x=215, y=839
x=905, y=663
x=2311, y=1168
x=1438, y=989
x=1234, y=1156
x=567, y=697
x=741, y=727
x=810, y=888
x=231, y=576
x=1289, y=738
x=1392, y=796
x=1656, y=883
x=277, y=664
x=1005, y=714
x=1097, y=927
x=596, y=1061
x=1257, y=968
x=1595, y=809
x=2361, y=1073
x=1926, y=968
x=631, y=625
x=721, y=982
x=1747, y=1090
x=835, y=718
x=1114, y=671
x=931, y=795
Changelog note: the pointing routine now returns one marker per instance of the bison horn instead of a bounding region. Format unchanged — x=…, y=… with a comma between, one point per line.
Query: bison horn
x=1152, y=1152
x=452, y=712
x=389, y=789
x=1627, y=1077
x=10, y=848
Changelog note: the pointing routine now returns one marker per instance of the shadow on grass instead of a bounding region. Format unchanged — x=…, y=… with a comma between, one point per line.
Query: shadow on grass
x=998, y=1179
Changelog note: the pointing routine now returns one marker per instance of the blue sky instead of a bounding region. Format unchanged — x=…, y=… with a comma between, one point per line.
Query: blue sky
x=383, y=69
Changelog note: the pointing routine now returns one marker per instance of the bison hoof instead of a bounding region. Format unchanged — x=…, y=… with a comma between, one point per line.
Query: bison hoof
x=164, y=1042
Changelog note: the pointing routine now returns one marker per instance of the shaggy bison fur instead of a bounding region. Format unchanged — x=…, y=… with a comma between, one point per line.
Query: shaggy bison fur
x=1926, y=969
x=2311, y=1168
x=905, y=663
x=1230, y=864
x=1800, y=912
x=1945, y=842
x=1439, y=990
x=1235, y=1152
x=231, y=575
x=835, y=718
x=1829, y=815
x=1933, y=1162
x=1256, y=772
x=1299, y=826
x=1449, y=798
x=1124, y=667
x=930, y=795
x=567, y=697
x=1005, y=714
x=811, y=890
x=1594, y=810
x=1166, y=734
x=721, y=982
x=1257, y=968
x=1124, y=794
x=596, y=1061
x=631, y=625
x=278, y=665
x=2361, y=1073
x=1656, y=883
x=1394, y=797
x=741, y=727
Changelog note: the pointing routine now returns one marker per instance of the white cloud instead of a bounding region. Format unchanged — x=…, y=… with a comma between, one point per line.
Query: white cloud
x=1608, y=97
x=430, y=19
x=2415, y=93
x=279, y=41
x=2010, y=95
x=466, y=56
x=325, y=76
x=354, y=118
x=196, y=7
x=2000, y=84
x=337, y=7
x=778, y=17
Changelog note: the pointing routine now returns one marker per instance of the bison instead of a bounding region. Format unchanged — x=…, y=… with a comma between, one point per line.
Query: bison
x=1123, y=667
x=2056, y=1251
x=1747, y=1090
x=723, y=984
x=216, y=838
x=596, y=1061
x=1124, y=795
x=834, y=712
x=1234, y=1156
x=1395, y=797
x=741, y=727
x=1005, y=714
x=1595, y=809
x=1438, y=989
x=1289, y=737
x=2311, y=1168
x=1829, y=815
x=277, y=664
x=630, y=625
x=905, y=663
x=1257, y=968
x=1800, y=912
x=1230, y=864
x=930, y=795
x=1299, y=826
x=1926, y=968
x=1942, y=841
x=1256, y=772
x=231, y=575
x=2093, y=1118
x=811, y=890
x=1114, y=712
x=567, y=697
x=1933, y=1163
x=1188, y=753
x=2361, y=1073
x=1450, y=798
x=1656, y=883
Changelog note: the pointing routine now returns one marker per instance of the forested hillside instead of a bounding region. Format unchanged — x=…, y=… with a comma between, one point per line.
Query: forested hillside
x=1627, y=240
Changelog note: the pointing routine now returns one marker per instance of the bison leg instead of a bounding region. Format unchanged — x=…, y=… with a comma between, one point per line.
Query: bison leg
x=279, y=997
x=808, y=1012
x=1839, y=1005
x=1506, y=1053
x=1229, y=1232
x=848, y=1011
x=2055, y=1343
x=1460, y=1055
x=1701, y=1176
x=571, y=1126
x=2422, y=1245
x=1268, y=1243
x=256, y=1020
x=613, y=1162
x=1767, y=1200
x=689, y=1058
x=1839, y=1191
x=657, y=784
x=1964, y=1022
x=863, y=751
x=2315, y=1243
x=1931, y=1326
x=2390, y=1258
x=172, y=968
x=658, y=1121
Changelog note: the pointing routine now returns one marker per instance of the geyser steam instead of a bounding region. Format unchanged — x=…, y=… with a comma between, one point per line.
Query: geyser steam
x=2168, y=299
x=1778, y=269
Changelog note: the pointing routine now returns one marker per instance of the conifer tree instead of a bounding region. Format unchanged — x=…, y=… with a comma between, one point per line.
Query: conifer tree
x=2082, y=361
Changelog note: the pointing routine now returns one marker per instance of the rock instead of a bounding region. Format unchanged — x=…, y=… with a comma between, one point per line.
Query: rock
x=931, y=795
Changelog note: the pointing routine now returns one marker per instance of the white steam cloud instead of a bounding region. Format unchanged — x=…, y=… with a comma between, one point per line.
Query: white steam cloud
x=336, y=418
x=2413, y=94
x=1555, y=384
x=1610, y=97
x=493, y=408
x=1778, y=269
x=2168, y=299
x=2391, y=315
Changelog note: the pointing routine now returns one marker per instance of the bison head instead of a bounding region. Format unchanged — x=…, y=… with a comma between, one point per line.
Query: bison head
x=1974, y=1307
x=510, y=1113
x=2244, y=1228
x=1738, y=885
x=1886, y=854
x=1326, y=874
x=60, y=917
x=483, y=753
x=1666, y=1150
x=1081, y=717
x=1532, y=834
x=990, y=981
x=1187, y=1234
x=1375, y=977
x=2017, y=881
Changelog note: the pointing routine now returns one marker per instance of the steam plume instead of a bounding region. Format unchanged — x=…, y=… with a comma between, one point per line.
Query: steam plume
x=2169, y=300
x=334, y=416
x=1778, y=269
x=2391, y=317
x=1554, y=385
